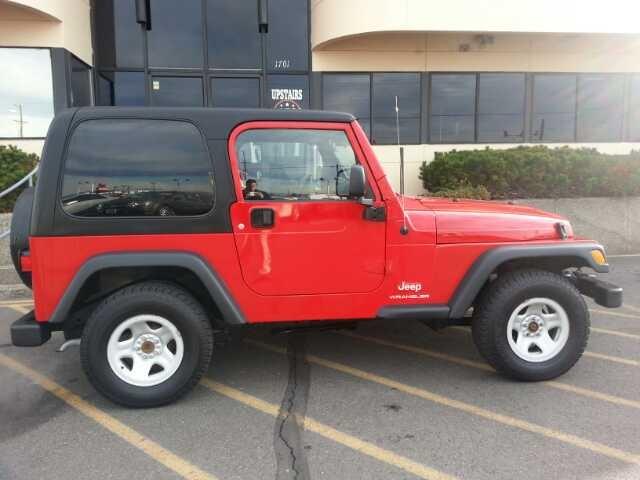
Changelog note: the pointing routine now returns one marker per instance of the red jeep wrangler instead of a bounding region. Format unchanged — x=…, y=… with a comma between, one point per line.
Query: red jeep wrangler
x=149, y=228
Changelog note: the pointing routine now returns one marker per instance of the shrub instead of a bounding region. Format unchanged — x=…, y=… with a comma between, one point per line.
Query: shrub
x=533, y=172
x=14, y=165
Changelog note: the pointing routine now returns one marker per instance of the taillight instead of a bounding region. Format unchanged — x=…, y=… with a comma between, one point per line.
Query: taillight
x=25, y=262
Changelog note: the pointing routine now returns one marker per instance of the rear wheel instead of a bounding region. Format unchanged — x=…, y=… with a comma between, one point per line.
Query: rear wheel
x=531, y=325
x=147, y=345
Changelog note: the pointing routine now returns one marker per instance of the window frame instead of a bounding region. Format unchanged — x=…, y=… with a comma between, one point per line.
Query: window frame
x=346, y=128
x=126, y=219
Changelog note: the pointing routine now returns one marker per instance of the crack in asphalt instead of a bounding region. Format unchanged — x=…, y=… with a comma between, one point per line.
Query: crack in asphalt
x=291, y=460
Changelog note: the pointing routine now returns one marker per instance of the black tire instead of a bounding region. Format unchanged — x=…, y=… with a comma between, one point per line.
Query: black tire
x=20, y=227
x=502, y=297
x=158, y=298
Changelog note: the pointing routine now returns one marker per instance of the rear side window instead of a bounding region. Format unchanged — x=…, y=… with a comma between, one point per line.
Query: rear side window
x=137, y=168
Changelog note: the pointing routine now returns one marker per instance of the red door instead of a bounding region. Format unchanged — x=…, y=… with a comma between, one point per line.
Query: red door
x=296, y=232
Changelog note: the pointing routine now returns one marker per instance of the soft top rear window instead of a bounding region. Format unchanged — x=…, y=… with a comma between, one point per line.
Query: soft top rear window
x=137, y=168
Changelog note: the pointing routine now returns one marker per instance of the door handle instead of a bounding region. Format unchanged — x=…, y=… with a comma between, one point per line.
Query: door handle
x=263, y=217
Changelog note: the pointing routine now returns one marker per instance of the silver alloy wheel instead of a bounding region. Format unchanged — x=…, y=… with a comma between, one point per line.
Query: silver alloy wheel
x=145, y=350
x=538, y=329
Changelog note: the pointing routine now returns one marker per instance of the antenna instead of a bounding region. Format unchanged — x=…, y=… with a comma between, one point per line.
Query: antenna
x=404, y=229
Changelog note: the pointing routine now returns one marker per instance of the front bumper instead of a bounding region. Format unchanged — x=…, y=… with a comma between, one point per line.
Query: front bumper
x=26, y=332
x=603, y=293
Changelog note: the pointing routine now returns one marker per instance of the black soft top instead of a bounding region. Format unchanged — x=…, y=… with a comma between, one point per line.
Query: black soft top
x=216, y=123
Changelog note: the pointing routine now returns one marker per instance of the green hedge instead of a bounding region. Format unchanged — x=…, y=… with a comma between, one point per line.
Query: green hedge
x=532, y=172
x=14, y=165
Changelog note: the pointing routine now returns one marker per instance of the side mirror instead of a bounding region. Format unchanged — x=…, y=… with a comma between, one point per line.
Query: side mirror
x=357, y=182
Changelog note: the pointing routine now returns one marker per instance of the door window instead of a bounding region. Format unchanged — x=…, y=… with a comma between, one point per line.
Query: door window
x=294, y=165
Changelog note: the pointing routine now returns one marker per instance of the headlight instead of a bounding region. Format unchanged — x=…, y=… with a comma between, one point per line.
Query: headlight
x=598, y=257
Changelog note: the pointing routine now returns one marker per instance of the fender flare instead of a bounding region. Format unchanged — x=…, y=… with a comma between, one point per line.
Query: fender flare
x=231, y=313
x=477, y=275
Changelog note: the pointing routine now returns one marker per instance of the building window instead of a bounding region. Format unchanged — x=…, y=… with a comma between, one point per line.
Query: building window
x=26, y=92
x=235, y=92
x=501, y=101
x=119, y=39
x=177, y=91
x=81, y=95
x=453, y=105
x=385, y=88
x=232, y=30
x=600, y=108
x=176, y=37
x=128, y=88
x=162, y=170
x=634, y=110
x=296, y=164
x=554, y=108
x=348, y=93
x=288, y=37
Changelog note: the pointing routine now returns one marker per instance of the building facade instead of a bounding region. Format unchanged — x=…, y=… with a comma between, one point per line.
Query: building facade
x=467, y=74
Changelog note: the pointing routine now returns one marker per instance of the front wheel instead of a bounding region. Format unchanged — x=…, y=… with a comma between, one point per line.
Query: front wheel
x=147, y=345
x=531, y=325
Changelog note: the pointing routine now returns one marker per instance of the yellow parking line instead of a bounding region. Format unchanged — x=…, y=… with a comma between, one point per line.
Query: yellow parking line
x=482, y=366
x=160, y=454
x=631, y=307
x=610, y=358
x=20, y=308
x=616, y=333
x=614, y=314
x=5, y=303
x=507, y=420
x=332, y=434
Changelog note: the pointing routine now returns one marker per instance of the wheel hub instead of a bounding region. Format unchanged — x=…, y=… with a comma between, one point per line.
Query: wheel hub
x=148, y=346
x=532, y=326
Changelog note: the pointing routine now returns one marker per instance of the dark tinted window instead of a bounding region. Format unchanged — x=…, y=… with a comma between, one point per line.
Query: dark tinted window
x=175, y=39
x=634, y=110
x=124, y=168
x=288, y=39
x=287, y=92
x=453, y=106
x=104, y=90
x=348, y=93
x=232, y=29
x=501, y=99
x=554, y=108
x=128, y=89
x=177, y=92
x=386, y=86
x=80, y=83
x=600, y=108
x=295, y=164
x=235, y=92
x=119, y=39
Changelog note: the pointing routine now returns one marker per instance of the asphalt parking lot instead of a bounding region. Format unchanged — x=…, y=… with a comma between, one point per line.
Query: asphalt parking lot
x=386, y=401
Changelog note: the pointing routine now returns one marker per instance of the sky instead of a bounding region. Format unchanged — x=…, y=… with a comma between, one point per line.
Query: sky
x=25, y=80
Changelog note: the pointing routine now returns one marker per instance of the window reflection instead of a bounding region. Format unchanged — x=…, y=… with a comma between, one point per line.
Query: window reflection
x=501, y=107
x=26, y=92
x=453, y=105
x=600, y=108
x=232, y=30
x=348, y=93
x=295, y=164
x=554, y=107
x=385, y=87
x=634, y=110
x=124, y=168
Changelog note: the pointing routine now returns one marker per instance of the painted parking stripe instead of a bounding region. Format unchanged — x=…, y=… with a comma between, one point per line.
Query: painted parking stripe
x=611, y=358
x=482, y=366
x=20, y=308
x=507, y=420
x=614, y=314
x=8, y=303
x=332, y=434
x=616, y=333
x=160, y=454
